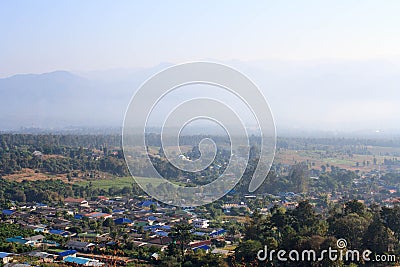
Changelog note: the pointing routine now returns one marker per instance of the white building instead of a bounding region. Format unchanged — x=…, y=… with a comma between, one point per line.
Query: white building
x=201, y=223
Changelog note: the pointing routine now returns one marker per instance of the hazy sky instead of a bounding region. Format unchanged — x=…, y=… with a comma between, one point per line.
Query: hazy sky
x=42, y=36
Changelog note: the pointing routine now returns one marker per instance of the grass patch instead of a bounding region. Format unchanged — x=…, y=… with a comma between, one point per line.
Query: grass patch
x=56, y=250
x=120, y=182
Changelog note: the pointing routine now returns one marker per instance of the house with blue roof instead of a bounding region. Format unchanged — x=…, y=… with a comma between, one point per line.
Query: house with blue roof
x=166, y=227
x=50, y=243
x=78, y=216
x=203, y=245
x=118, y=211
x=83, y=261
x=161, y=233
x=150, y=228
x=67, y=253
x=5, y=257
x=219, y=232
x=16, y=264
x=121, y=221
x=152, y=218
x=59, y=232
x=111, y=243
x=147, y=203
x=206, y=248
x=200, y=233
x=8, y=212
x=20, y=240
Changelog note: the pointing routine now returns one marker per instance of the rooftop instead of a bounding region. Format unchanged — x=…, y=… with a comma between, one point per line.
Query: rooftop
x=4, y=254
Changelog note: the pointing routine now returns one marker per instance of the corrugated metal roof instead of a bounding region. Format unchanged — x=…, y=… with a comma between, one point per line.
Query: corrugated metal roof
x=67, y=253
x=8, y=212
x=4, y=254
x=204, y=247
x=77, y=260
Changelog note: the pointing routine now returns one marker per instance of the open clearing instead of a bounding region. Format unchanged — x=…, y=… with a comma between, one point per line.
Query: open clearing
x=120, y=182
x=30, y=175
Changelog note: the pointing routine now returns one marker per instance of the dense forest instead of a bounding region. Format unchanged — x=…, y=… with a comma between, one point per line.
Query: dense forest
x=374, y=228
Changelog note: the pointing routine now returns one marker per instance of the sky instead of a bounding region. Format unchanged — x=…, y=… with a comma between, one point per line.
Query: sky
x=321, y=64
x=42, y=36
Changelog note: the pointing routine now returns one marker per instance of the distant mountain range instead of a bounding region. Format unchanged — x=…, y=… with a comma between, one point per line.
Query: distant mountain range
x=324, y=95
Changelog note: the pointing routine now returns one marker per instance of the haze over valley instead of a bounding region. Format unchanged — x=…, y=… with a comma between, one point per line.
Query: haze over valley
x=356, y=97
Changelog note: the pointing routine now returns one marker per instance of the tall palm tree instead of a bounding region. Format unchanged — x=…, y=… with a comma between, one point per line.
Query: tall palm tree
x=232, y=231
x=182, y=233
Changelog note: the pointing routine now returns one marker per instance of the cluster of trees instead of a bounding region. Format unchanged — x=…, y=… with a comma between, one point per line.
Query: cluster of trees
x=375, y=228
x=179, y=253
x=73, y=153
x=9, y=230
x=14, y=159
x=297, y=180
x=50, y=191
x=33, y=191
x=391, y=162
x=359, y=144
x=336, y=179
x=169, y=171
x=70, y=160
x=51, y=143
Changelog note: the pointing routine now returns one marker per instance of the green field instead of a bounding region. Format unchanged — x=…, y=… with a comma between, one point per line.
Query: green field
x=121, y=182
